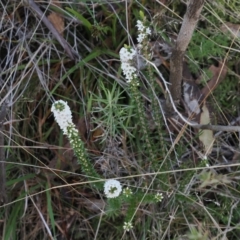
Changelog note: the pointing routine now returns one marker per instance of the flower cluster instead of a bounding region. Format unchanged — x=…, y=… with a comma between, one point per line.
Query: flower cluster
x=126, y=57
x=143, y=31
x=131, y=57
x=127, y=192
x=127, y=54
x=158, y=197
x=112, y=188
x=205, y=161
x=62, y=114
x=127, y=226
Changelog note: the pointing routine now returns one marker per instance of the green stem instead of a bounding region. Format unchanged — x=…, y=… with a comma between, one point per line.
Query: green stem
x=81, y=154
x=141, y=113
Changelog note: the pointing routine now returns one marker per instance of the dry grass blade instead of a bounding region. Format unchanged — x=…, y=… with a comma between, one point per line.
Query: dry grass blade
x=3, y=195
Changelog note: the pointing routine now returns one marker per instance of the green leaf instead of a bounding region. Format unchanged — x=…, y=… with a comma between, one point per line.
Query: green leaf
x=20, y=179
x=141, y=15
x=13, y=220
x=80, y=17
x=50, y=209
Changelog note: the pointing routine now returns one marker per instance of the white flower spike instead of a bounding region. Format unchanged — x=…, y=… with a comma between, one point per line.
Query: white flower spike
x=62, y=114
x=126, y=56
x=143, y=31
x=112, y=188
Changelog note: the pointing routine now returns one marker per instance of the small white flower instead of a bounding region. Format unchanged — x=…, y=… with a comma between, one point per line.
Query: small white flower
x=205, y=161
x=141, y=37
x=143, y=31
x=126, y=54
x=148, y=31
x=129, y=71
x=62, y=114
x=127, y=226
x=158, y=197
x=140, y=26
x=127, y=192
x=112, y=188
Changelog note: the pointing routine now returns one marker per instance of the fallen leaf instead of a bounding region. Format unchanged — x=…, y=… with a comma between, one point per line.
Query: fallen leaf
x=232, y=28
x=206, y=136
x=56, y=19
x=213, y=179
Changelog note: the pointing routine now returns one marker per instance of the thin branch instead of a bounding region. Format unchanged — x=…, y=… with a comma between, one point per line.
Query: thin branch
x=176, y=62
x=217, y=127
x=221, y=128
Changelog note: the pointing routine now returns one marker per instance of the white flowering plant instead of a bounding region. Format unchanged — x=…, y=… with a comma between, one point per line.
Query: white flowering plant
x=130, y=69
x=63, y=116
x=131, y=59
